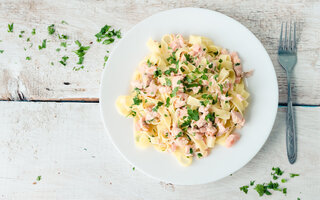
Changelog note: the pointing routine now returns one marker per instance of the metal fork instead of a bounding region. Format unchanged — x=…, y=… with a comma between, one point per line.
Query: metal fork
x=287, y=57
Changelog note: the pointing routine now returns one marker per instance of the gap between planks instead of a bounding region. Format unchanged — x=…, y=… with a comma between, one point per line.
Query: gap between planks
x=96, y=100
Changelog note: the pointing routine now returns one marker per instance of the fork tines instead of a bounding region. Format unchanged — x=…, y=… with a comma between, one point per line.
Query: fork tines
x=288, y=44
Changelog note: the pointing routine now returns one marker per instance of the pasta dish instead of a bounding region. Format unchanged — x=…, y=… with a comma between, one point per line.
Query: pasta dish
x=186, y=97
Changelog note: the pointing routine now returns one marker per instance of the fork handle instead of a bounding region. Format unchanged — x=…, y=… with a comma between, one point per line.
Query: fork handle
x=291, y=136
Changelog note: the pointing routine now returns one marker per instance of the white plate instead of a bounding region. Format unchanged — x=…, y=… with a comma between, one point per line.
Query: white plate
x=225, y=32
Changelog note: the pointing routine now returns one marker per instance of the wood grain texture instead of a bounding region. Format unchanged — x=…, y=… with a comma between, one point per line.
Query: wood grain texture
x=37, y=79
x=66, y=144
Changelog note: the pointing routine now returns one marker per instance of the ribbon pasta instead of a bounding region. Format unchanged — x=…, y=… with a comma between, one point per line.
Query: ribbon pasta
x=187, y=96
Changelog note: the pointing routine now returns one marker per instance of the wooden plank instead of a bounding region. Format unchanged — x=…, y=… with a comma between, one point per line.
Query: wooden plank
x=66, y=144
x=37, y=79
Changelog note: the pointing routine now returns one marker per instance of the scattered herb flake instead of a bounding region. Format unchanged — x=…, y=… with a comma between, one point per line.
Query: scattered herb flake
x=28, y=58
x=33, y=31
x=51, y=29
x=167, y=102
x=293, y=175
x=1, y=51
x=63, y=44
x=38, y=178
x=174, y=92
x=244, y=189
x=10, y=28
x=43, y=45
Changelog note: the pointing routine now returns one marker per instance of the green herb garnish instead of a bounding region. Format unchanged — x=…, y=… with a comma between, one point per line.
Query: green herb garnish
x=168, y=82
x=43, y=45
x=63, y=60
x=244, y=189
x=81, y=51
x=51, y=29
x=174, y=92
x=28, y=58
x=167, y=102
x=293, y=175
x=179, y=135
x=193, y=114
x=155, y=109
x=10, y=28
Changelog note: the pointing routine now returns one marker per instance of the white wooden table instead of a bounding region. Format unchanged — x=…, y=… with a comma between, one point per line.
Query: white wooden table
x=50, y=122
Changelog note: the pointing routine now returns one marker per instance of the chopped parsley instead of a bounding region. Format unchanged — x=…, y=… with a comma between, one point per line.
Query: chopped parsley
x=43, y=45
x=10, y=28
x=293, y=175
x=157, y=73
x=81, y=51
x=105, y=60
x=221, y=87
x=63, y=60
x=63, y=44
x=172, y=59
x=236, y=64
x=244, y=189
x=188, y=58
x=77, y=68
x=38, y=178
x=136, y=100
x=58, y=49
x=179, y=135
x=220, y=60
x=108, y=41
x=284, y=190
x=1, y=51
x=193, y=114
x=191, y=151
x=216, y=53
x=133, y=113
x=64, y=22
x=105, y=33
x=33, y=31
x=215, y=77
x=28, y=58
x=149, y=63
x=133, y=168
x=283, y=180
x=210, y=65
x=252, y=183
x=167, y=102
x=174, y=92
x=168, y=72
x=199, y=155
x=65, y=37
x=21, y=34
x=168, y=82
x=155, y=109
x=204, y=77
x=277, y=171
x=210, y=117
x=262, y=189
x=51, y=29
